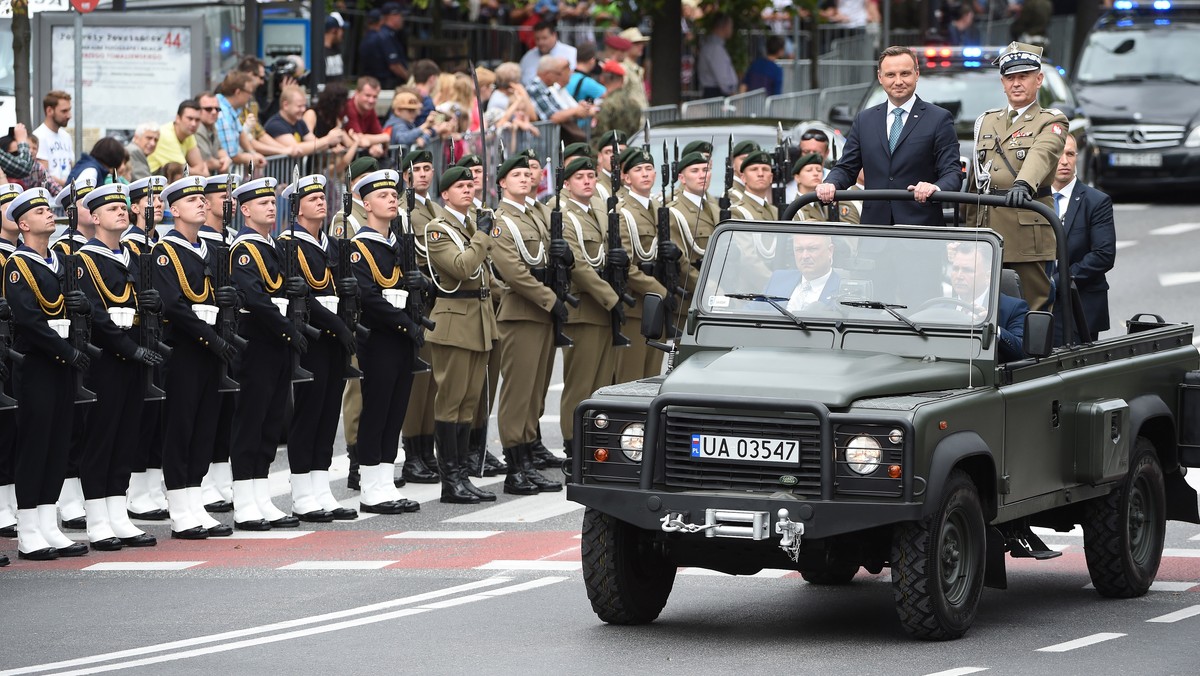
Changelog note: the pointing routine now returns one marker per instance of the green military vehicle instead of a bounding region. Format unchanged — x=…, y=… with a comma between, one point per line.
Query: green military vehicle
x=870, y=397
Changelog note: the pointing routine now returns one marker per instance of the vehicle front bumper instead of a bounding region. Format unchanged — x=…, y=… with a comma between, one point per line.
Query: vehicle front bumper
x=1180, y=169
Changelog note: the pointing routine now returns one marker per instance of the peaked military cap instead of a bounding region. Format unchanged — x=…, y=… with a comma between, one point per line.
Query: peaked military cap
x=28, y=201
x=1019, y=57
x=384, y=179
x=9, y=192
x=256, y=189
x=307, y=185
x=139, y=188
x=82, y=187
x=218, y=183
x=184, y=187
x=112, y=193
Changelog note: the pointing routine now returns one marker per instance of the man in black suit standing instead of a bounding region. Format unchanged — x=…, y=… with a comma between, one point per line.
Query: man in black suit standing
x=905, y=144
x=1087, y=217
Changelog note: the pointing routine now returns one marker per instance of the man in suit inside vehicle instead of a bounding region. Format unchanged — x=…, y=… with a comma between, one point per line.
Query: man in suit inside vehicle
x=970, y=282
x=903, y=144
x=814, y=284
x=1087, y=218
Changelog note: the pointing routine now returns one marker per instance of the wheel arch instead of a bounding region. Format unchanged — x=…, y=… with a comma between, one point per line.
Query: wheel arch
x=967, y=451
x=1150, y=417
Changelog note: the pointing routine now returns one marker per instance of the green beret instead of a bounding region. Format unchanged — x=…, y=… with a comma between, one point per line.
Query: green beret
x=691, y=158
x=698, y=147
x=638, y=157
x=578, y=164
x=627, y=153
x=756, y=157
x=514, y=162
x=804, y=160
x=363, y=165
x=580, y=149
x=418, y=156
x=454, y=175
x=745, y=148
x=609, y=136
x=469, y=161
x=531, y=154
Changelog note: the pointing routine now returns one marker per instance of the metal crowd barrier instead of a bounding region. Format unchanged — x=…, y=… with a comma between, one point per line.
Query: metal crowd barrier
x=849, y=95
x=796, y=105
x=749, y=104
x=657, y=115
x=702, y=109
x=797, y=75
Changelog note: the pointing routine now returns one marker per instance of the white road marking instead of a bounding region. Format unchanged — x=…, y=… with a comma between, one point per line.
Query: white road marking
x=522, y=510
x=1077, y=531
x=1178, y=278
x=1055, y=547
x=336, y=565
x=1182, y=553
x=443, y=535
x=1194, y=538
x=269, y=534
x=1162, y=586
x=1190, y=611
x=143, y=565
x=766, y=572
x=1175, y=229
x=1080, y=642
x=324, y=629
x=960, y=671
x=263, y=629
x=1125, y=243
x=510, y=564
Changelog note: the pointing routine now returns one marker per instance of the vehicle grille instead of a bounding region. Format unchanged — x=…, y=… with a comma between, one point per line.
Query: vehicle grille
x=684, y=471
x=1138, y=136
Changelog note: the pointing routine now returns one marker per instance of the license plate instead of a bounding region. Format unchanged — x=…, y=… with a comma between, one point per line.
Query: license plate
x=746, y=449
x=1135, y=159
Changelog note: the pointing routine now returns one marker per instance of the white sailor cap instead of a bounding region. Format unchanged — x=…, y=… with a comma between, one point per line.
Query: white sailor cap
x=28, y=201
x=8, y=193
x=305, y=186
x=184, y=187
x=82, y=187
x=220, y=182
x=384, y=179
x=252, y=190
x=113, y=193
x=1019, y=57
x=139, y=188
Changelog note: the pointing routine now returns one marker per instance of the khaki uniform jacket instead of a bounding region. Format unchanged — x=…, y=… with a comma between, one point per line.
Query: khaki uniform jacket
x=639, y=237
x=358, y=220
x=749, y=209
x=815, y=211
x=458, y=255
x=1032, y=146
x=521, y=247
x=691, y=226
x=586, y=232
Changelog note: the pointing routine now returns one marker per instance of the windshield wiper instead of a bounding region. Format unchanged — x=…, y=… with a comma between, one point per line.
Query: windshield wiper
x=888, y=308
x=1169, y=77
x=774, y=301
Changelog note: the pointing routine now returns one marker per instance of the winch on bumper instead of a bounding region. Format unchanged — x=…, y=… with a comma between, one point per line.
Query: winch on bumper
x=749, y=468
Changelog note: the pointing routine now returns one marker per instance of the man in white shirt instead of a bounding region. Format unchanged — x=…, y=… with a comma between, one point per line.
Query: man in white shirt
x=545, y=39
x=56, y=150
x=818, y=284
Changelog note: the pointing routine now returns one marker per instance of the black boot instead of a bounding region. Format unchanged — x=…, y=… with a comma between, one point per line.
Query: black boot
x=516, y=483
x=491, y=464
x=425, y=444
x=472, y=459
x=352, y=478
x=542, y=457
x=446, y=434
x=415, y=470
x=535, y=477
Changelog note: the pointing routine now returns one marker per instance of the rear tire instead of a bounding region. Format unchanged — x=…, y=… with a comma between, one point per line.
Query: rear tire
x=627, y=575
x=1123, y=532
x=938, y=564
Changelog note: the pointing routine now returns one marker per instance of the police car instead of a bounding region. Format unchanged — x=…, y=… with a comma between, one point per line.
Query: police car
x=963, y=81
x=1139, y=80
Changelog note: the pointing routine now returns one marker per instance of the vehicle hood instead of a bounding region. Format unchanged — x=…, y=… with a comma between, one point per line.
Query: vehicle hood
x=1162, y=102
x=834, y=378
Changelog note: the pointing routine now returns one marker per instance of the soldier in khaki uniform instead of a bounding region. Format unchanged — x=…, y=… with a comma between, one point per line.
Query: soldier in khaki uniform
x=605, y=161
x=1017, y=149
x=755, y=204
x=520, y=255
x=466, y=329
x=809, y=171
x=740, y=151
x=591, y=362
x=693, y=216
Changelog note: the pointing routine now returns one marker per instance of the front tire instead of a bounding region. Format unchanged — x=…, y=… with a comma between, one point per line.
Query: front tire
x=938, y=565
x=627, y=574
x=1123, y=532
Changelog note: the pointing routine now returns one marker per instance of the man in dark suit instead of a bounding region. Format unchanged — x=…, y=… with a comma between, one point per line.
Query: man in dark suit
x=970, y=282
x=905, y=143
x=813, y=285
x=1087, y=217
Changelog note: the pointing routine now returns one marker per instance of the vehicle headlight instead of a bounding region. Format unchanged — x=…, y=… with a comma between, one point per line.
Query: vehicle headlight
x=632, y=438
x=600, y=421
x=1193, y=139
x=863, y=454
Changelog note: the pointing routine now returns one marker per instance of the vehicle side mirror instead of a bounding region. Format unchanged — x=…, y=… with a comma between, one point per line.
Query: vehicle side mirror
x=1039, y=334
x=841, y=115
x=654, y=316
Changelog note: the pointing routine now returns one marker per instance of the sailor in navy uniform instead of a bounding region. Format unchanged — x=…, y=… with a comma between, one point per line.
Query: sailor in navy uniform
x=182, y=277
x=117, y=376
x=386, y=356
x=45, y=384
x=9, y=238
x=265, y=367
x=146, y=499
x=317, y=402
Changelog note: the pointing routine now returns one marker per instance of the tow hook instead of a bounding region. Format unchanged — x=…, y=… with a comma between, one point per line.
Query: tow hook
x=790, y=532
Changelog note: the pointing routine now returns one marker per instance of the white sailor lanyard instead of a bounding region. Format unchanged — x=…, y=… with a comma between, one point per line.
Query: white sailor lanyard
x=443, y=226
x=643, y=255
x=594, y=261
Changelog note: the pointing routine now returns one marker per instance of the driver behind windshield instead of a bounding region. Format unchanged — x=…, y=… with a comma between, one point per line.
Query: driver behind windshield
x=813, y=285
x=970, y=282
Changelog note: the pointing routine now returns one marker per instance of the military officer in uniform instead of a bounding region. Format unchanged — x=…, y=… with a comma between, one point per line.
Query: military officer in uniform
x=1017, y=150
x=45, y=384
x=182, y=277
x=9, y=238
x=694, y=216
x=117, y=376
x=605, y=161
x=591, y=362
x=466, y=330
x=315, y=411
x=520, y=255
x=386, y=355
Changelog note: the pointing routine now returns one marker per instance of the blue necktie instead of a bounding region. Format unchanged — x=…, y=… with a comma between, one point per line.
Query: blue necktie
x=897, y=127
x=1058, y=204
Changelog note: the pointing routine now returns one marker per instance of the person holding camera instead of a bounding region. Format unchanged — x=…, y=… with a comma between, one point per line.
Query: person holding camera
x=402, y=123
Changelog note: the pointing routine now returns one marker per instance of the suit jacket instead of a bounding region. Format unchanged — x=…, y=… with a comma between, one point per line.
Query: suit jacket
x=784, y=282
x=927, y=151
x=1010, y=345
x=1091, y=251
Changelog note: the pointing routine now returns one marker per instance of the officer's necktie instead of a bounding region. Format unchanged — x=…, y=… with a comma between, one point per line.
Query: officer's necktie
x=1012, y=118
x=1058, y=210
x=897, y=127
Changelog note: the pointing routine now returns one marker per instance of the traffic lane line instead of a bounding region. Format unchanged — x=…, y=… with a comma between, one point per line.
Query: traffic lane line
x=267, y=628
x=1183, y=614
x=1080, y=642
x=108, y=566
x=960, y=671
x=312, y=631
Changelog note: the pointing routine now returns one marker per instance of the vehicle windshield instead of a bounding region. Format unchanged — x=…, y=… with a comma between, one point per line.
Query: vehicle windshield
x=968, y=94
x=808, y=275
x=1123, y=55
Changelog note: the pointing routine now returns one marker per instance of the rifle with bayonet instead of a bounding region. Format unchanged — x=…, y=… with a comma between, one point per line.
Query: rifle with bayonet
x=723, y=202
x=81, y=324
x=616, y=264
x=665, y=266
x=297, y=293
x=835, y=212
x=558, y=270
x=150, y=320
x=227, y=323
x=349, y=302
x=779, y=180
x=414, y=282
